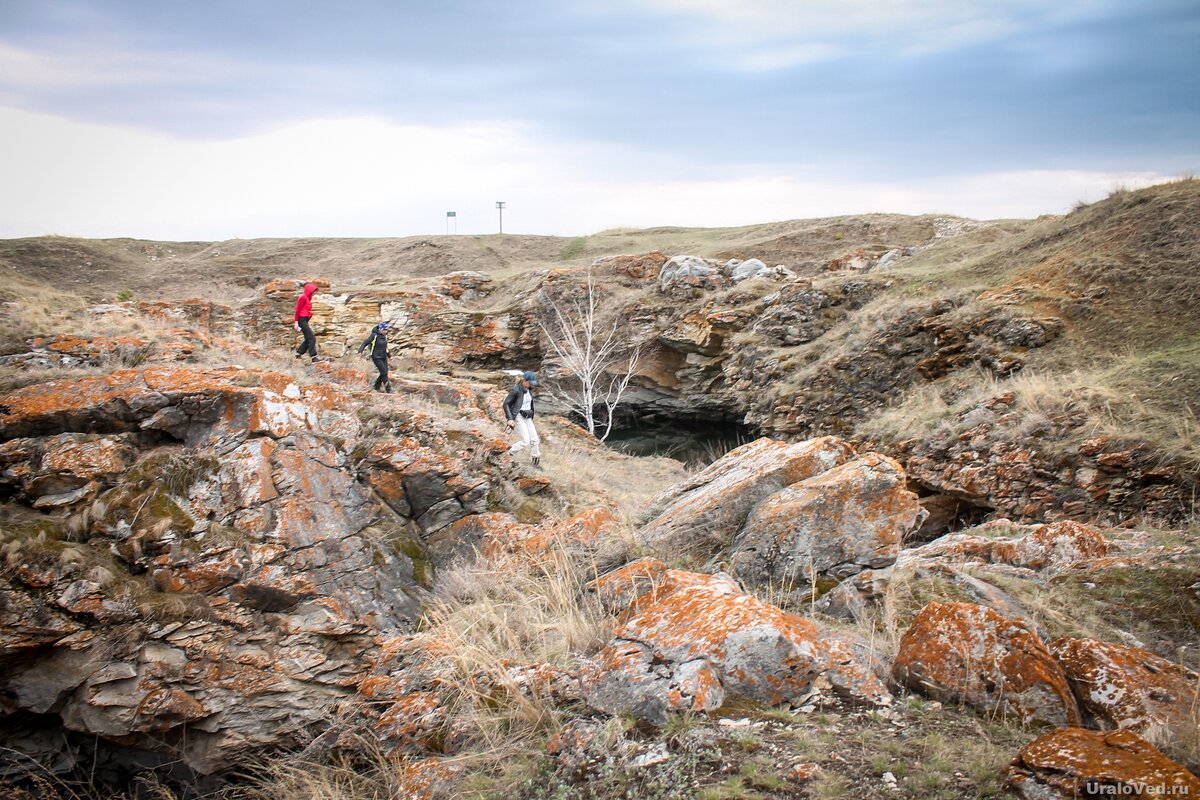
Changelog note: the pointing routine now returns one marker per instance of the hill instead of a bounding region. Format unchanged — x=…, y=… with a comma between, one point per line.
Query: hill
x=963, y=498
x=100, y=269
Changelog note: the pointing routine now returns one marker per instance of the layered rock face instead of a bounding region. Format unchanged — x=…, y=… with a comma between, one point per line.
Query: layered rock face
x=216, y=573
x=738, y=340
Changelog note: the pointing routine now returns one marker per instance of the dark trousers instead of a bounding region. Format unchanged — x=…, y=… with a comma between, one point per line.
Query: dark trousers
x=381, y=364
x=309, y=345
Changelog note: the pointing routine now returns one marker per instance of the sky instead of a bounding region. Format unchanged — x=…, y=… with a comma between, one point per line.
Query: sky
x=184, y=120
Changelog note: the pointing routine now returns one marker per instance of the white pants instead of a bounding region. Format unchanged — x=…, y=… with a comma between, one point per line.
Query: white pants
x=529, y=437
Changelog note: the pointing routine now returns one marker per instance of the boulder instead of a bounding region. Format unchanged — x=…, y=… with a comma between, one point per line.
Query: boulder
x=641, y=269
x=966, y=653
x=1128, y=687
x=833, y=525
x=689, y=270
x=738, y=271
x=701, y=515
x=1074, y=762
x=692, y=640
x=1054, y=547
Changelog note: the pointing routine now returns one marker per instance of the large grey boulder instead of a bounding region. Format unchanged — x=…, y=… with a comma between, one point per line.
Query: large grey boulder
x=688, y=641
x=830, y=526
x=700, y=516
x=681, y=267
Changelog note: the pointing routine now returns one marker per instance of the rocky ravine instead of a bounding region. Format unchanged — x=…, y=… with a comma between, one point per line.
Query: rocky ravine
x=210, y=564
x=210, y=556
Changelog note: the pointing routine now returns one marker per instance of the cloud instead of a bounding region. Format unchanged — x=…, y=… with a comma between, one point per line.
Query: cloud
x=779, y=34
x=368, y=177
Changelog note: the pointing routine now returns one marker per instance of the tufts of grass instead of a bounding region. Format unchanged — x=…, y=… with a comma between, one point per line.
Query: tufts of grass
x=574, y=249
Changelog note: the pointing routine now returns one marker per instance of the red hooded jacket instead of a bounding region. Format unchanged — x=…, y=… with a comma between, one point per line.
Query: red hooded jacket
x=304, y=302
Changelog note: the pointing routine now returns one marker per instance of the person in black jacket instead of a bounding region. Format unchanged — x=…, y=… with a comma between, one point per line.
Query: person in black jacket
x=376, y=341
x=518, y=410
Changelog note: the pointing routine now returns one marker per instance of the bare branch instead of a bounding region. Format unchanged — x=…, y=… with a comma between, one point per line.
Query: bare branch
x=592, y=351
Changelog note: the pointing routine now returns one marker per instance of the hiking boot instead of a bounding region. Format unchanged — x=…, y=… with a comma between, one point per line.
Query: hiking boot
x=387, y=387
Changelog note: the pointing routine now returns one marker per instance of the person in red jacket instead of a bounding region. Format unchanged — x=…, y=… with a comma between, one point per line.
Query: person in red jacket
x=301, y=322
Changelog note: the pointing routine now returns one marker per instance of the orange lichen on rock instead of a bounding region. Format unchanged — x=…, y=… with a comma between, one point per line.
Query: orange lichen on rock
x=414, y=721
x=1128, y=687
x=618, y=589
x=693, y=633
x=1060, y=544
x=428, y=779
x=191, y=403
x=846, y=519
x=966, y=653
x=1074, y=762
x=702, y=514
x=1057, y=546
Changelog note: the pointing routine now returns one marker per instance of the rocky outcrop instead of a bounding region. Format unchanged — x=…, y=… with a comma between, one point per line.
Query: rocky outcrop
x=1128, y=687
x=848, y=518
x=691, y=640
x=987, y=460
x=196, y=406
x=225, y=569
x=431, y=325
x=431, y=489
x=969, y=654
x=1073, y=762
x=701, y=515
x=1051, y=548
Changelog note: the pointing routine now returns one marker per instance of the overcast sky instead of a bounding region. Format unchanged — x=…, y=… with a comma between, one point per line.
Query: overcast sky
x=178, y=119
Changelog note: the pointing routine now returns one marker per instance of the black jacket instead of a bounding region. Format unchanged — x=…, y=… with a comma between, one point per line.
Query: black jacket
x=512, y=403
x=377, y=341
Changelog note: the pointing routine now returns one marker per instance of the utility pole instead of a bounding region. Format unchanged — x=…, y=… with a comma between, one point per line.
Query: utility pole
x=500, y=208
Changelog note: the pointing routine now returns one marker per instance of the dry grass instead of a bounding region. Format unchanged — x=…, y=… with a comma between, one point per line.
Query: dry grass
x=370, y=774
x=1062, y=409
x=587, y=474
x=491, y=614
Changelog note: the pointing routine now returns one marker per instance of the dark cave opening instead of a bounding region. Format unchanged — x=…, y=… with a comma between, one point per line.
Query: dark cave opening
x=695, y=442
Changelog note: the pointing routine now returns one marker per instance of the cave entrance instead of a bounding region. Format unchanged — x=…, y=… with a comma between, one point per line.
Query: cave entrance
x=697, y=443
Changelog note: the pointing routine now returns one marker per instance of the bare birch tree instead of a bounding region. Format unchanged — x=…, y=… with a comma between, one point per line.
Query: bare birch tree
x=594, y=351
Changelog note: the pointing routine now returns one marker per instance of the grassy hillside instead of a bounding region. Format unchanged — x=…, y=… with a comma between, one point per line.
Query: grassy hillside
x=103, y=268
x=1123, y=276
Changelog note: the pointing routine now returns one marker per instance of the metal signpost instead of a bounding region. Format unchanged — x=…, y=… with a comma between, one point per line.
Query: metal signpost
x=451, y=215
x=500, y=207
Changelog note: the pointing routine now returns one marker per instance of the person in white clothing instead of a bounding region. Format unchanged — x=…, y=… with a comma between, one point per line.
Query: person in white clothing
x=519, y=410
